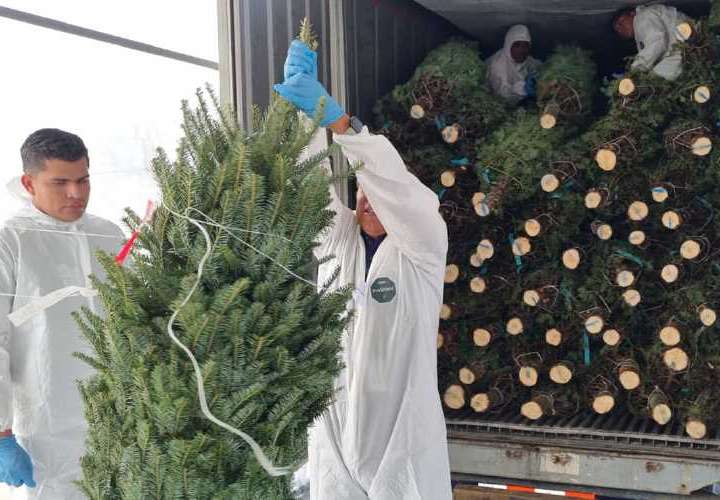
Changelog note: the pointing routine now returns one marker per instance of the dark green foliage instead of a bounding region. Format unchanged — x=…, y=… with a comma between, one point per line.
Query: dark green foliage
x=266, y=342
x=650, y=135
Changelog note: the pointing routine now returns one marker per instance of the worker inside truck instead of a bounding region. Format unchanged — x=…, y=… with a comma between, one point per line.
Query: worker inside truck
x=512, y=71
x=384, y=436
x=655, y=29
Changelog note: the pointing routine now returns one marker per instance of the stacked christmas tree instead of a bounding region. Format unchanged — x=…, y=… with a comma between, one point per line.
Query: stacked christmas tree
x=582, y=271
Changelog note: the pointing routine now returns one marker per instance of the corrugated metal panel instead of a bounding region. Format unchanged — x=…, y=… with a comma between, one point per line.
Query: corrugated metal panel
x=384, y=41
x=262, y=31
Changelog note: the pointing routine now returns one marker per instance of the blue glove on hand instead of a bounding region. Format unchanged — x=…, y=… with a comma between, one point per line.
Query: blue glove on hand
x=531, y=86
x=15, y=465
x=300, y=59
x=305, y=92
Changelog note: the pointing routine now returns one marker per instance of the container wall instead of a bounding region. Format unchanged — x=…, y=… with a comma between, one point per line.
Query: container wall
x=384, y=41
x=375, y=43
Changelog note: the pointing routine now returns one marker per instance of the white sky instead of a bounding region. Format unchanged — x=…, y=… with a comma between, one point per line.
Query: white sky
x=123, y=103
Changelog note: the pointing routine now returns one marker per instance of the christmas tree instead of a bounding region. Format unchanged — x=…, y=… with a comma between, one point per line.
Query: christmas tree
x=224, y=264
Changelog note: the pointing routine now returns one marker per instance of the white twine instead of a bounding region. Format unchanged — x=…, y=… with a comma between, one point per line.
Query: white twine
x=57, y=231
x=257, y=450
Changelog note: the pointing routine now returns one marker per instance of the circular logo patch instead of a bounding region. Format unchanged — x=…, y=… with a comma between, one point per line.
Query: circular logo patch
x=383, y=290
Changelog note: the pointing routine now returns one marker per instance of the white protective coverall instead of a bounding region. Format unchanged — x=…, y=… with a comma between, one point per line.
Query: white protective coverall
x=655, y=35
x=507, y=77
x=384, y=438
x=39, y=397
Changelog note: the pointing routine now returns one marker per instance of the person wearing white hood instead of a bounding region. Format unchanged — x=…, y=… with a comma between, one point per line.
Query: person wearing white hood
x=383, y=438
x=512, y=72
x=48, y=245
x=655, y=30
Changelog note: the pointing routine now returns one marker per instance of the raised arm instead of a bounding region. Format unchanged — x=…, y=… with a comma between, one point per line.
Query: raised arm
x=407, y=209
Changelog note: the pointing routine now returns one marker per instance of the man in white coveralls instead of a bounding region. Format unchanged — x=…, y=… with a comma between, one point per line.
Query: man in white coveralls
x=655, y=31
x=48, y=245
x=384, y=436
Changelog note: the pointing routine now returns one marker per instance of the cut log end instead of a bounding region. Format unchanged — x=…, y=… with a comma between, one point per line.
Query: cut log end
x=670, y=273
x=612, y=337
x=528, y=376
x=445, y=312
x=708, y=316
x=603, y=404
x=554, y=337
x=662, y=414
x=561, y=374
x=531, y=410
x=638, y=211
x=452, y=273
x=531, y=298
x=440, y=341
x=482, y=209
x=480, y=402
x=670, y=336
x=632, y=298
x=482, y=337
x=690, y=250
x=660, y=194
x=476, y=260
x=702, y=94
x=696, y=429
x=676, y=359
x=533, y=227
x=549, y=183
x=478, y=198
x=701, y=146
x=417, y=111
x=478, y=285
x=548, y=121
x=454, y=397
x=604, y=232
x=451, y=134
x=671, y=220
x=515, y=326
x=485, y=249
x=593, y=199
x=625, y=279
x=571, y=258
x=447, y=178
x=629, y=379
x=466, y=376
x=683, y=32
x=521, y=246
x=594, y=324
x=626, y=87
x=637, y=238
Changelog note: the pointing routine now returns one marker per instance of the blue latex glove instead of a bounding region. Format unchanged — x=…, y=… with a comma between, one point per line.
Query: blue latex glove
x=305, y=92
x=531, y=86
x=300, y=59
x=15, y=465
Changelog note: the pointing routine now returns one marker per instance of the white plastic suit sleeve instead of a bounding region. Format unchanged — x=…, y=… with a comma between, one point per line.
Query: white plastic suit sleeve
x=343, y=215
x=655, y=36
x=7, y=286
x=407, y=209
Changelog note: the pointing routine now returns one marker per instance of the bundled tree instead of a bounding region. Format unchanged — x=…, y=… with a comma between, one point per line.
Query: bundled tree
x=566, y=86
x=220, y=267
x=442, y=109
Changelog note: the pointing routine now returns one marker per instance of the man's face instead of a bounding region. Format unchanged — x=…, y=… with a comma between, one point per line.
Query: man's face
x=61, y=189
x=366, y=217
x=520, y=51
x=624, y=26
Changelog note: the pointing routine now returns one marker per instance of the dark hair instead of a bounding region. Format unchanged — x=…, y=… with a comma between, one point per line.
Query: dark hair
x=48, y=144
x=622, y=12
